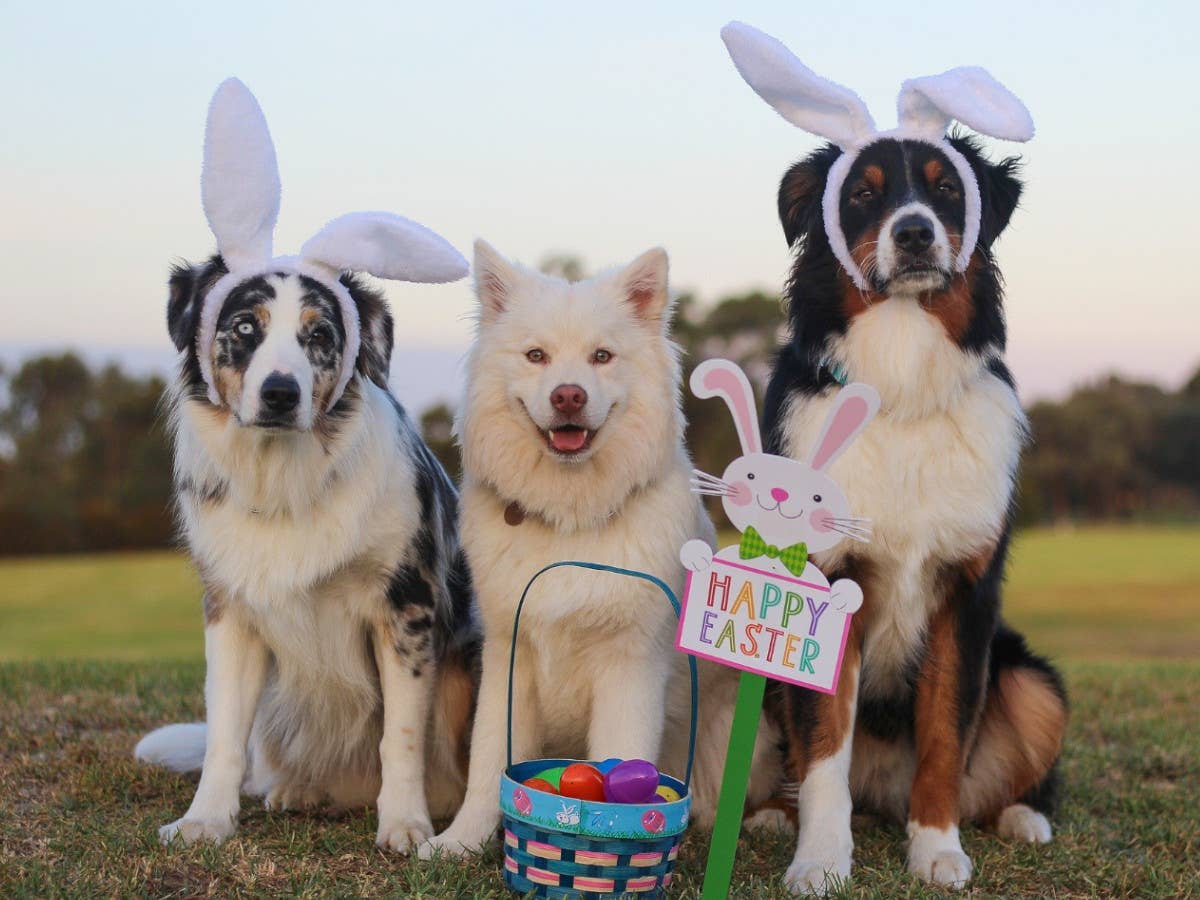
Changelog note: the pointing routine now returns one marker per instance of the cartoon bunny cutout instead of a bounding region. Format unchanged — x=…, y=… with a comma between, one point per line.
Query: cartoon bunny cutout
x=785, y=509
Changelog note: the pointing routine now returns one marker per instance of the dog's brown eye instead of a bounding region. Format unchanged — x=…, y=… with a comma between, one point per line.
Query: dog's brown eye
x=320, y=337
x=602, y=356
x=862, y=195
x=536, y=355
x=947, y=187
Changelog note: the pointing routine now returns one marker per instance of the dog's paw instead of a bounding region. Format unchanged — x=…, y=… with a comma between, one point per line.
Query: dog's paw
x=194, y=831
x=453, y=842
x=401, y=833
x=817, y=877
x=1022, y=823
x=769, y=819
x=935, y=855
x=284, y=797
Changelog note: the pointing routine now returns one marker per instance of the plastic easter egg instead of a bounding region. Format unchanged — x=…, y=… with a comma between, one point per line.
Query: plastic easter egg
x=667, y=793
x=582, y=781
x=540, y=784
x=633, y=781
x=521, y=802
x=654, y=821
x=608, y=765
x=551, y=776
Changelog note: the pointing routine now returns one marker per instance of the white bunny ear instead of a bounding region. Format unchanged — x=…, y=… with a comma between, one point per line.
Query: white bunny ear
x=239, y=183
x=387, y=246
x=967, y=94
x=724, y=379
x=853, y=408
x=793, y=90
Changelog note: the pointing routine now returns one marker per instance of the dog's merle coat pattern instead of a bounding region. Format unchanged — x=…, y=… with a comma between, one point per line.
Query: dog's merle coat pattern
x=941, y=696
x=338, y=603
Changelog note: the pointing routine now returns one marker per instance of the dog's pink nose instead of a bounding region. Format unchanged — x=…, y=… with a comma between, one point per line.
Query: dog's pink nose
x=568, y=398
x=779, y=495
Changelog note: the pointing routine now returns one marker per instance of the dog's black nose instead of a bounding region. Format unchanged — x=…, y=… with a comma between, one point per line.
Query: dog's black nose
x=913, y=233
x=568, y=398
x=280, y=393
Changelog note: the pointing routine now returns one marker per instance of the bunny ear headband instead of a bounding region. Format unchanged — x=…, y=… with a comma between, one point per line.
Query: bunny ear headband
x=926, y=107
x=240, y=191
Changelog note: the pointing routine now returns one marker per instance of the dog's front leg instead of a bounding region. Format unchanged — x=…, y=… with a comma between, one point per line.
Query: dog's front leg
x=629, y=707
x=236, y=659
x=821, y=728
x=480, y=813
x=406, y=677
x=934, y=851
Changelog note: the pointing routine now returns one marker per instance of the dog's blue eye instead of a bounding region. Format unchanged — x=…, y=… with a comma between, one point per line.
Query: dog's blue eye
x=245, y=328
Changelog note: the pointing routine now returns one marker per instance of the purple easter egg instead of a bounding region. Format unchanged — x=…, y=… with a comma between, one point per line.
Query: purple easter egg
x=633, y=781
x=654, y=821
x=522, y=802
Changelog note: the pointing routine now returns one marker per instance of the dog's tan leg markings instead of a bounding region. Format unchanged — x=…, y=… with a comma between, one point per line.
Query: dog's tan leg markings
x=1020, y=737
x=237, y=665
x=403, y=816
x=935, y=852
x=476, y=821
x=820, y=761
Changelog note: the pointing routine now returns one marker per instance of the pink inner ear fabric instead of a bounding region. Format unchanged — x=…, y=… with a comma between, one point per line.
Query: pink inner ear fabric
x=849, y=416
x=725, y=381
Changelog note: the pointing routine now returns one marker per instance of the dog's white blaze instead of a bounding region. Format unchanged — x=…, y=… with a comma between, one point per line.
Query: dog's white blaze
x=885, y=251
x=933, y=471
x=280, y=351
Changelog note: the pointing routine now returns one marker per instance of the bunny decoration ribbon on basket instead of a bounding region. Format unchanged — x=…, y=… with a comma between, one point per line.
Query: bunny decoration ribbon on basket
x=926, y=107
x=761, y=605
x=240, y=191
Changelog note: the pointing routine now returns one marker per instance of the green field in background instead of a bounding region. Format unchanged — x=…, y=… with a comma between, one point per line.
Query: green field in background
x=1085, y=593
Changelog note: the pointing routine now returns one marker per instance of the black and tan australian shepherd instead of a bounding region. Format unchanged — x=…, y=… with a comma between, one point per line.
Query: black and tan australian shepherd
x=942, y=713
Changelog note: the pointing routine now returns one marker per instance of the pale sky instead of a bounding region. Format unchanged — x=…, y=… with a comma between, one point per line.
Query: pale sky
x=595, y=129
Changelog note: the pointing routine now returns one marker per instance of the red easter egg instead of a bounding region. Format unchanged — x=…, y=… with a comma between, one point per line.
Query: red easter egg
x=581, y=781
x=522, y=802
x=539, y=784
x=654, y=821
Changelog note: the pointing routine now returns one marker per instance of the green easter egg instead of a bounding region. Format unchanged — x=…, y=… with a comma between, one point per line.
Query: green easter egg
x=554, y=776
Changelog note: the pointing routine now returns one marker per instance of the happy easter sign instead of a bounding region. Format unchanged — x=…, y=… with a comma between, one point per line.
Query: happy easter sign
x=784, y=628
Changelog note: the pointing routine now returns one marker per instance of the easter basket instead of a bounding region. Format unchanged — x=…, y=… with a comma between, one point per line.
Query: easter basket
x=589, y=849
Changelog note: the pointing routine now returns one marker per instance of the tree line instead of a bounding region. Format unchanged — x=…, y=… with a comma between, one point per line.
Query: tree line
x=85, y=463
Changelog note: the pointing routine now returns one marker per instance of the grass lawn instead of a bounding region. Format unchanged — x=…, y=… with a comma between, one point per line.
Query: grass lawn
x=78, y=817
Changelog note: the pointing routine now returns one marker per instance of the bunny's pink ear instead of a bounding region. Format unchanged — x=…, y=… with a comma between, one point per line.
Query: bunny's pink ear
x=724, y=379
x=853, y=408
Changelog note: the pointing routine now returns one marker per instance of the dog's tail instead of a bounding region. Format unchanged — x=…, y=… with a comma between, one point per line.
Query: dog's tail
x=179, y=748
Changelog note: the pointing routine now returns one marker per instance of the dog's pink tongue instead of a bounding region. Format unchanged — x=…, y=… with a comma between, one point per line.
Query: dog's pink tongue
x=568, y=440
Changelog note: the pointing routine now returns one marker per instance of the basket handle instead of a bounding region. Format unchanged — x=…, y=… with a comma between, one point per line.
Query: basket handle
x=632, y=573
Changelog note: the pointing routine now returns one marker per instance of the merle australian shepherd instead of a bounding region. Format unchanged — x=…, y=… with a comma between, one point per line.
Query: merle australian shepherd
x=942, y=714
x=338, y=628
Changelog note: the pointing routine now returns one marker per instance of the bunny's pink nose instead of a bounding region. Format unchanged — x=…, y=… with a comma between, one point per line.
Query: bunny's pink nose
x=779, y=495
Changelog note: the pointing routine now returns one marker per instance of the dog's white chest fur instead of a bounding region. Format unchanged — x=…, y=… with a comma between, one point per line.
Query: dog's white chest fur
x=933, y=471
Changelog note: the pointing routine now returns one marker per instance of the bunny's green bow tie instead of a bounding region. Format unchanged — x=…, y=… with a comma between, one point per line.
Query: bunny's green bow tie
x=794, y=558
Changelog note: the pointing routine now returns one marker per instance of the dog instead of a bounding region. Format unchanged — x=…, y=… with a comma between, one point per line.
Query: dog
x=340, y=641
x=942, y=713
x=572, y=439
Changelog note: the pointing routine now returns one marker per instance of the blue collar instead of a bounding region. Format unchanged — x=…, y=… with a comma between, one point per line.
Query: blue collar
x=836, y=371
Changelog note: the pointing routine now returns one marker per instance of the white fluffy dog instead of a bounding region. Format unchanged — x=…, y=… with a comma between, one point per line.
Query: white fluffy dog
x=572, y=440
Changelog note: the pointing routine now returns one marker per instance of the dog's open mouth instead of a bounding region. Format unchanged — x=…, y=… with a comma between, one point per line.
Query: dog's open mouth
x=569, y=440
